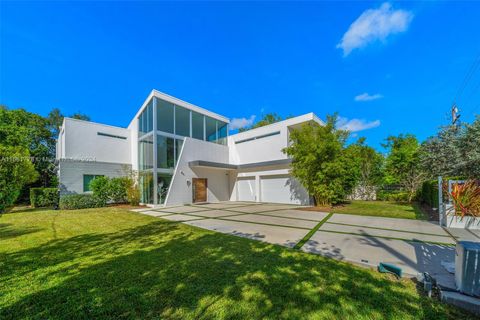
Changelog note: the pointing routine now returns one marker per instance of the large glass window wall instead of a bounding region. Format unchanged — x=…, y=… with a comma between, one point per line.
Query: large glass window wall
x=159, y=152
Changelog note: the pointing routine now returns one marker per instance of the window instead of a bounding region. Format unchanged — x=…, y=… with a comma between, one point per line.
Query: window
x=222, y=132
x=197, y=125
x=165, y=152
x=164, y=116
x=145, y=153
x=258, y=137
x=210, y=129
x=111, y=135
x=145, y=120
x=178, y=146
x=182, y=121
x=87, y=178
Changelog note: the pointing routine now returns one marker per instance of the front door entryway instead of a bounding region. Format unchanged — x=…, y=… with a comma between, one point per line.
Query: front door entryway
x=199, y=189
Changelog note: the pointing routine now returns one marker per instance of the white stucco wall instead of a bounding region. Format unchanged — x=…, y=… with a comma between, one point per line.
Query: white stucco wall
x=218, y=180
x=266, y=148
x=71, y=173
x=81, y=141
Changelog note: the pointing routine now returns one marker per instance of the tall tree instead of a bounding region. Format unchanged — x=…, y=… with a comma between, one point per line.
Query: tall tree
x=267, y=119
x=367, y=167
x=319, y=161
x=403, y=164
x=453, y=151
x=55, y=120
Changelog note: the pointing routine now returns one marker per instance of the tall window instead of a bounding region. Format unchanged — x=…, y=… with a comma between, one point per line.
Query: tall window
x=164, y=116
x=145, y=120
x=197, y=125
x=222, y=132
x=165, y=152
x=182, y=121
x=210, y=129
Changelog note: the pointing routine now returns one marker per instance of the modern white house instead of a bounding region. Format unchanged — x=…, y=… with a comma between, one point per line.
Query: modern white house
x=183, y=154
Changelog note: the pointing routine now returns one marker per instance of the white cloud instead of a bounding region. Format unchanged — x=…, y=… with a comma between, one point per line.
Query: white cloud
x=373, y=25
x=237, y=123
x=354, y=125
x=367, y=97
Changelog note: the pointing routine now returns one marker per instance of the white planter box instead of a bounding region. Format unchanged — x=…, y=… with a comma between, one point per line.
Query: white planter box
x=449, y=220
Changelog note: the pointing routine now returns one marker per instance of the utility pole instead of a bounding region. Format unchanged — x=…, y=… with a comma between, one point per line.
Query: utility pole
x=455, y=114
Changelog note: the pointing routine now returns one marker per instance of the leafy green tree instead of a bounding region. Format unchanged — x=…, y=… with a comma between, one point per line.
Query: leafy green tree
x=366, y=167
x=453, y=151
x=16, y=170
x=55, y=120
x=320, y=162
x=267, y=119
x=403, y=163
x=29, y=130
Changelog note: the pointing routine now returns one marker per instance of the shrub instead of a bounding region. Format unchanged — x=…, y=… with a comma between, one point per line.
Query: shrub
x=118, y=189
x=43, y=197
x=133, y=193
x=80, y=201
x=101, y=188
x=466, y=198
x=398, y=196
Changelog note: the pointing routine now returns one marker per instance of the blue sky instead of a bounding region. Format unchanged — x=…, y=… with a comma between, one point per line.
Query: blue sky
x=386, y=68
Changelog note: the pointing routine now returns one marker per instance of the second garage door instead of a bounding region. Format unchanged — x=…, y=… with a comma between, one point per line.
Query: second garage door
x=280, y=189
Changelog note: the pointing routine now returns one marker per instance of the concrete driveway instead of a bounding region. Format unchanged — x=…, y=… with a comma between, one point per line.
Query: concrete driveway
x=416, y=246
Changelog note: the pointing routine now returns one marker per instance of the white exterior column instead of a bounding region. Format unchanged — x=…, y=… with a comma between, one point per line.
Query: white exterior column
x=155, y=155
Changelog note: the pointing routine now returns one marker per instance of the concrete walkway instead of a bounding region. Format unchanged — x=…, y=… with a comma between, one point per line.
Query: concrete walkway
x=415, y=246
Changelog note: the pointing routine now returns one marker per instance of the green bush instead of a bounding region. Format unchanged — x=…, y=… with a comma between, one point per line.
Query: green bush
x=43, y=197
x=118, y=189
x=80, y=201
x=429, y=193
x=398, y=196
x=101, y=188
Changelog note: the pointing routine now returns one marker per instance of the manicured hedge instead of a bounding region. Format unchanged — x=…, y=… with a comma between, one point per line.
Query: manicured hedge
x=43, y=197
x=429, y=193
x=80, y=201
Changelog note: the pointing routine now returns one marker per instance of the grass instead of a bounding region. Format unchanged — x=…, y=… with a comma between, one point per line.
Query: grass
x=389, y=209
x=111, y=263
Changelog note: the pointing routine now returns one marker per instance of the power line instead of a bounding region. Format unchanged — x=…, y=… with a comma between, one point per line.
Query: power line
x=468, y=76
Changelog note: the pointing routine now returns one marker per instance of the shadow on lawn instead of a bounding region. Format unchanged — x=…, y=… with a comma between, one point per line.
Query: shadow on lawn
x=165, y=270
x=7, y=231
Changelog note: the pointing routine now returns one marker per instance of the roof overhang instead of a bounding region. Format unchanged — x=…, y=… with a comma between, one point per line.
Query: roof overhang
x=227, y=166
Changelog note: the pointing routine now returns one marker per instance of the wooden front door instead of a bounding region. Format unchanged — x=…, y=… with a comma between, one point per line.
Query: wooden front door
x=199, y=189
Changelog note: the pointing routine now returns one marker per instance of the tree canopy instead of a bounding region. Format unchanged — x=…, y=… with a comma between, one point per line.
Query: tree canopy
x=267, y=119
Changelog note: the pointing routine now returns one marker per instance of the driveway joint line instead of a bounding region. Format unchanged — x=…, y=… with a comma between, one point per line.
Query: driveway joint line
x=307, y=237
x=262, y=223
x=387, y=229
x=390, y=238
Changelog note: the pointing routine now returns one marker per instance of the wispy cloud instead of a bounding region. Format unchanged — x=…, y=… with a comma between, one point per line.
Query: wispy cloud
x=368, y=97
x=355, y=125
x=237, y=123
x=374, y=25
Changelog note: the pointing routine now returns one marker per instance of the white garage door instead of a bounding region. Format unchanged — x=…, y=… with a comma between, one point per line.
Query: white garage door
x=281, y=189
x=246, y=189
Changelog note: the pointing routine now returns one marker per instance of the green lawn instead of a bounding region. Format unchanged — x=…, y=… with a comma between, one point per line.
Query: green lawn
x=111, y=263
x=388, y=209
